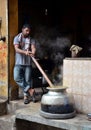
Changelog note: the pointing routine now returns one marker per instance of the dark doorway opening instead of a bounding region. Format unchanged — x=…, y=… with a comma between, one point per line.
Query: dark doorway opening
x=56, y=26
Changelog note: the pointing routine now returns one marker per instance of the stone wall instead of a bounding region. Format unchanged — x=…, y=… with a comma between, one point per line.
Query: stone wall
x=4, y=17
x=4, y=49
x=77, y=77
x=3, y=70
x=9, y=28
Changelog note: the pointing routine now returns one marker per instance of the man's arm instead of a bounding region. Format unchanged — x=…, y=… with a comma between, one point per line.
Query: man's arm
x=33, y=49
x=18, y=50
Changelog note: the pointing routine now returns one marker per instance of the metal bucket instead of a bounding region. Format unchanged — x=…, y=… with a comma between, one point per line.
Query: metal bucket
x=57, y=103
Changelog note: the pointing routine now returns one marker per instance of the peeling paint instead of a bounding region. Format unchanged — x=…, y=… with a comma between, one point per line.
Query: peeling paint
x=3, y=69
x=2, y=83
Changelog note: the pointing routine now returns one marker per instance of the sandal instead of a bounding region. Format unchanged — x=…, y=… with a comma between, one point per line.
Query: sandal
x=26, y=101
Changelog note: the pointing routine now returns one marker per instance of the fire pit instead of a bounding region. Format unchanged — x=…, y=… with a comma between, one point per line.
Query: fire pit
x=57, y=104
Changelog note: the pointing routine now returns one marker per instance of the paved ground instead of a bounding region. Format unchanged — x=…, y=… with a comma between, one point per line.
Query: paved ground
x=31, y=113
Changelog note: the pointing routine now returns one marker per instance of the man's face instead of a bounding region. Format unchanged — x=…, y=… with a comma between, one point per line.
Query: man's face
x=26, y=32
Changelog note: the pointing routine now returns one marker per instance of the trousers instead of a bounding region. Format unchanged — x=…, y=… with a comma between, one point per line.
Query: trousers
x=23, y=78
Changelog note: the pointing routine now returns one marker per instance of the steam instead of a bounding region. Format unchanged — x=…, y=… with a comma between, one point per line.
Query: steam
x=51, y=44
x=58, y=49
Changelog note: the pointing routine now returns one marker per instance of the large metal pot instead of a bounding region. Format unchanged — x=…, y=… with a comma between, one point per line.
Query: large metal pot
x=57, y=103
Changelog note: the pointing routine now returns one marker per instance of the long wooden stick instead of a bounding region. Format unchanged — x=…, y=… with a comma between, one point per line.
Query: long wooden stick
x=43, y=73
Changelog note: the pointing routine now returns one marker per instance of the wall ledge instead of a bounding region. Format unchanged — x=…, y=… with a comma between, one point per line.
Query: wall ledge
x=31, y=114
x=78, y=58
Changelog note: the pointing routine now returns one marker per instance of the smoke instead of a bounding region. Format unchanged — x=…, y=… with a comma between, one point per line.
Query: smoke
x=58, y=49
x=51, y=44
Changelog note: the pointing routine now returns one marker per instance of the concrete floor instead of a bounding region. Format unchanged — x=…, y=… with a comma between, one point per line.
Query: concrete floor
x=31, y=114
x=7, y=121
x=25, y=117
x=27, y=114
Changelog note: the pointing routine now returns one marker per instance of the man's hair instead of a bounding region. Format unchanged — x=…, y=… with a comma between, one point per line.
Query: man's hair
x=26, y=26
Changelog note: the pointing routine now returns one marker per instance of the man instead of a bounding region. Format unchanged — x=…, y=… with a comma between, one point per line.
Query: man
x=25, y=48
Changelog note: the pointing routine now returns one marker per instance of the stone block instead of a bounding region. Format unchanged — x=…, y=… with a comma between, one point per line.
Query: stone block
x=3, y=107
x=77, y=77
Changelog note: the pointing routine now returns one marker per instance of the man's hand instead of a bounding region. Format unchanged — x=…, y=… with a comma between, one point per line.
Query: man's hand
x=29, y=53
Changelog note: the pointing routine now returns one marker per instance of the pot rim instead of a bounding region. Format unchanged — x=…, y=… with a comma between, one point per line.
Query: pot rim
x=57, y=88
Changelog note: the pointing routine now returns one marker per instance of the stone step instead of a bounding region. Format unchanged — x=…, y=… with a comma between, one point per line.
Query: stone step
x=7, y=122
x=3, y=106
x=14, y=105
x=8, y=119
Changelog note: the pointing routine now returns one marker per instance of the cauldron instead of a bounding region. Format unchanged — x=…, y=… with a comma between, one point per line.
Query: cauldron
x=57, y=103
